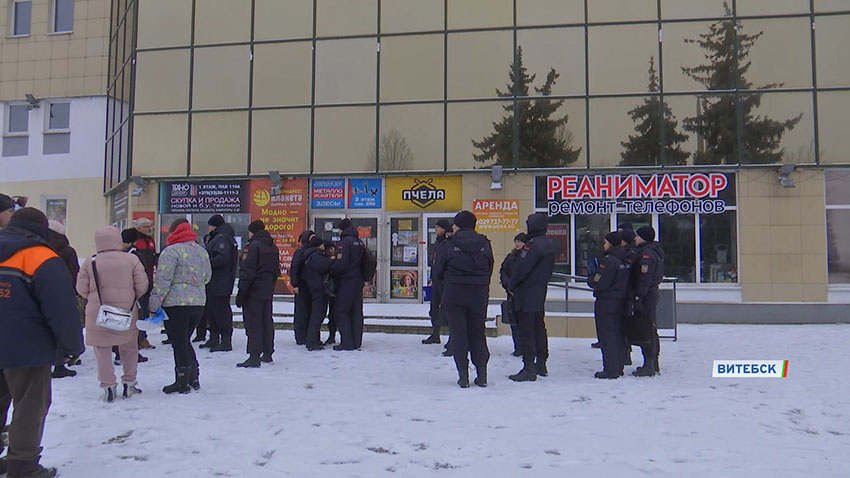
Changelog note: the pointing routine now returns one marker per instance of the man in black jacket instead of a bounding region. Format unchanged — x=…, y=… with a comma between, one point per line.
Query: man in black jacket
x=610, y=286
x=59, y=242
x=506, y=270
x=347, y=272
x=38, y=319
x=301, y=317
x=318, y=260
x=647, y=273
x=260, y=268
x=529, y=284
x=224, y=255
x=464, y=268
x=441, y=228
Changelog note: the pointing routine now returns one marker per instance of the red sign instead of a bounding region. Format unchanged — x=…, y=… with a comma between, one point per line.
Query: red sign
x=285, y=217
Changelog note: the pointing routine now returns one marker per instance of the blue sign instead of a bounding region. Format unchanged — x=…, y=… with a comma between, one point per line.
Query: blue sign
x=327, y=194
x=364, y=193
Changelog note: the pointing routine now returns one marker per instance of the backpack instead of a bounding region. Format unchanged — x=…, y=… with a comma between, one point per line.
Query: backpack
x=368, y=263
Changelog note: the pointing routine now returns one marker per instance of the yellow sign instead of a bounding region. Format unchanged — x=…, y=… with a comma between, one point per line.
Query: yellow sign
x=424, y=193
x=496, y=214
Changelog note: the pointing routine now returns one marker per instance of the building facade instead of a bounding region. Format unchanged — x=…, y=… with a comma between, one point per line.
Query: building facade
x=396, y=112
x=53, y=71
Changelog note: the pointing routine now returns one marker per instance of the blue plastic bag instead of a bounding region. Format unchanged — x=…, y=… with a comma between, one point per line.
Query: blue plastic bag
x=152, y=323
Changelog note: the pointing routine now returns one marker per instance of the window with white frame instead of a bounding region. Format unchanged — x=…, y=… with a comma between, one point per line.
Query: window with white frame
x=57, y=133
x=61, y=16
x=16, y=130
x=20, y=16
x=838, y=226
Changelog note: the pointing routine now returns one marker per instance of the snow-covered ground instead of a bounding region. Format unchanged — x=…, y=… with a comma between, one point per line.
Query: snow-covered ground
x=393, y=409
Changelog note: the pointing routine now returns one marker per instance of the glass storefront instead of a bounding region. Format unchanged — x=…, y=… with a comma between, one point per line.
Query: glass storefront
x=838, y=226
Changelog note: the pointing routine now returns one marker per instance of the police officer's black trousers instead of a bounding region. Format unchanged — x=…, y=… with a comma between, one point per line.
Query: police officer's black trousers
x=302, y=315
x=533, y=340
x=434, y=310
x=219, y=317
x=466, y=309
x=318, y=309
x=348, y=312
x=650, y=304
x=608, y=314
x=182, y=320
x=331, y=319
x=259, y=325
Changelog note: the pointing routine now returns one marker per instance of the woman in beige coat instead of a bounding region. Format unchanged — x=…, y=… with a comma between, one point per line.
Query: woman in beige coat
x=122, y=280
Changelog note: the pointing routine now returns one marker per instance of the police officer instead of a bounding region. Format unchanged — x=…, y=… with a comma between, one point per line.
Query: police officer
x=627, y=240
x=464, y=267
x=258, y=274
x=647, y=273
x=610, y=287
x=224, y=254
x=348, y=283
x=302, y=294
x=506, y=270
x=319, y=258
x=528, y=285
x=440, y=229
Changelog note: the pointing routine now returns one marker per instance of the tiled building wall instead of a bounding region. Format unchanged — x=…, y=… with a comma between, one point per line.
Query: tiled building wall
x=55, y=65
x=782, y=237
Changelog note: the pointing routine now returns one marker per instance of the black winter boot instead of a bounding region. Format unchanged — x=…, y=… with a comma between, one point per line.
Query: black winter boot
x=27, y=469
x=266, y=358
x=252, y=362
x=481, y=379
x=463, y=376
x=181, y=381
x=648, y=369
x=528, y=372
x=223, y=346
x=209, y=344
x=194, y=376
x=60, y=371
x=433, y=339
x=541, y=368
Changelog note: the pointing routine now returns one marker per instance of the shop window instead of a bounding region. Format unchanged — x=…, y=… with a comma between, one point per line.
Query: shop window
x=618, y=57
x=355, y=60
x=21, y=16
x=838, y=226
x=57, y=136
x=412, y=15
x=719, y=247
x=279, y=19
x=677, y=236
x=558, y=233
x=62, y=13
x=16, y=134
x=590, y=233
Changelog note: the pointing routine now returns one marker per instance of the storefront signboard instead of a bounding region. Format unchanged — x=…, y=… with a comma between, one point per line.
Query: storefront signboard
x=670, y=193
x=327, y=194
x=209, y=197
x=365, y=193
x=424, y=193
x=496, y=214
x=285, y=216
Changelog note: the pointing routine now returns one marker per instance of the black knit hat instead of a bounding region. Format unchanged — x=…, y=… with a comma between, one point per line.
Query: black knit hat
x=646, y=233
x=304, y=238
x=6, y=203
x=129, y=236
x=520, y=237
x=626, y=226
x=344, y=224
x=256, y=226
x=614, y=238
x=216, y=221
x=627, y=235
x=445, y=224
x=314, y=241
x=32, y=220
x=465, y=220
x=329, y=243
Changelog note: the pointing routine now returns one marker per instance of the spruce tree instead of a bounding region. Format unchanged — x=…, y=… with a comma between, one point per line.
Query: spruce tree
x=544, y=140
x=717, y=125
x=644, y=148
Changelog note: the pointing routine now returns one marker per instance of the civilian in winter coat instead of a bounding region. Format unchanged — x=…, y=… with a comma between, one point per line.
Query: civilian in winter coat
x=529, y=284
x=257, y=278
x=348, y=283
x=121, y=279
x=302, y=295
x=218, y=316
x=182, y=274
x=57, y=240
x=610, y=286
x=319, y=259
x=36, y=321
x=464, y=267
x=505, y=272
x=441, y=229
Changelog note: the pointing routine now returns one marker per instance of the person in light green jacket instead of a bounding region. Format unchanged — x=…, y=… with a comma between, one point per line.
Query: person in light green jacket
x=179, y=288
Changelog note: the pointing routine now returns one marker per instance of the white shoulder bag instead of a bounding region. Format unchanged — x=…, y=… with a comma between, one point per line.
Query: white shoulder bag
x=108, y=316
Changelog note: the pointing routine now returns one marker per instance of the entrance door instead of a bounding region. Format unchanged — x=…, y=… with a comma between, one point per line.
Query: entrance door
x=368, y=229
x=405, y=245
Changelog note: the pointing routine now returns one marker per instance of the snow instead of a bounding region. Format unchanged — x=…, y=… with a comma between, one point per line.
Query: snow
x=393, y=410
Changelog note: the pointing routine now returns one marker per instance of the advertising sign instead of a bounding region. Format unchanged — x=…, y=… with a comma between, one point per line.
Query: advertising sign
x=496, y=214
x=285, y=216
x=364, y=193
x=209, y=197
x=425, y=193
x=327, y=194
x=671, y=193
